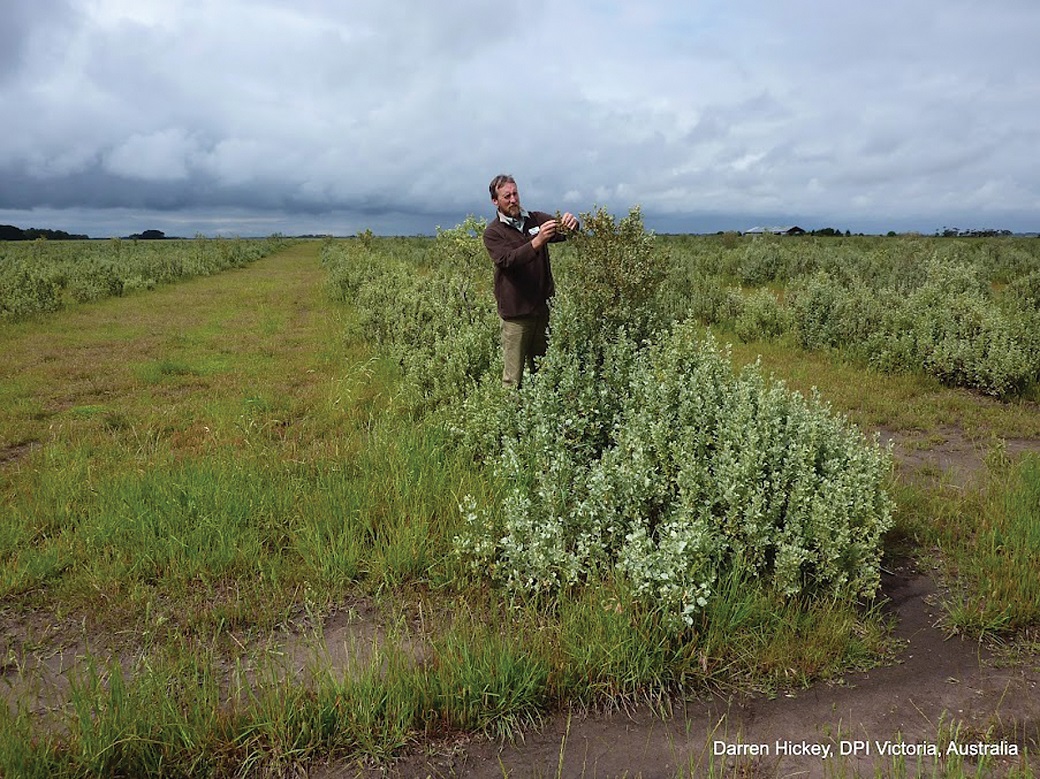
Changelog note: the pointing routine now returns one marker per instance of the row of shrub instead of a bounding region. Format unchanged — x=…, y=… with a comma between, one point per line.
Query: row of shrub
x=425, y=303
x=966, y=312
x=635, y=454
x=44, y=276
x=753, y=261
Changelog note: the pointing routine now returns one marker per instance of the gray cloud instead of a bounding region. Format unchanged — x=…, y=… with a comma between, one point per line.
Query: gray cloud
x=398, y=113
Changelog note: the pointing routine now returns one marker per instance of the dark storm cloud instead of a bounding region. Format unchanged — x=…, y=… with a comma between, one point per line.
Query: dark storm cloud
x=868, y=112
x=26, y=24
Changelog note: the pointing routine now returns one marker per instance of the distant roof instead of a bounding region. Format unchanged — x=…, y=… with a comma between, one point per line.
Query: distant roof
x=791, y=230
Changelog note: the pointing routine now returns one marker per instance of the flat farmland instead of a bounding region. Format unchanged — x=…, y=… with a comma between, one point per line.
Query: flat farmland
x=761, y=493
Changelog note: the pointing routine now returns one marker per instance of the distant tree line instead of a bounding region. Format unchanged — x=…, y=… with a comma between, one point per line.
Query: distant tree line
x=956, y=232
x=12, y=233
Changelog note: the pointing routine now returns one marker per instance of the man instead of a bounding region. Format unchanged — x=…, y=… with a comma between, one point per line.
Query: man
x=517, y=241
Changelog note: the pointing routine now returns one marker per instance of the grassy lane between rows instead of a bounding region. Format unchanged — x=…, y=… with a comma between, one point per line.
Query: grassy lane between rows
x=191, y=478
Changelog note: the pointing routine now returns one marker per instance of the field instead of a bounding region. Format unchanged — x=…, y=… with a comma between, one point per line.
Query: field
x=282, y=517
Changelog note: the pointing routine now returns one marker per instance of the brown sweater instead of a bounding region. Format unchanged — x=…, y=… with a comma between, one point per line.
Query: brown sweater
x=523, y=275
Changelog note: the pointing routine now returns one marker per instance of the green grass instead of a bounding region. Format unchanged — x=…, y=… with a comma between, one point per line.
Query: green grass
x=988, y=539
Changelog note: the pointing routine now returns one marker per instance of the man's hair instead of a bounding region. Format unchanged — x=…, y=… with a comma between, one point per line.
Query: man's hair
x=497, y=181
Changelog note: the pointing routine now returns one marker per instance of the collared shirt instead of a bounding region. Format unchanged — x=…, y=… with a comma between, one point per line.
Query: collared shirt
x=518, y=223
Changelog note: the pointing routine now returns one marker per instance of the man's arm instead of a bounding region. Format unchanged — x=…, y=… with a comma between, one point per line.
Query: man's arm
x=504, y=248
x=502, y=243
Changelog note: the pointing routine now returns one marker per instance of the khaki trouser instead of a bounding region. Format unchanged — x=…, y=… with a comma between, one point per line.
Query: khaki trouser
x=523, y=339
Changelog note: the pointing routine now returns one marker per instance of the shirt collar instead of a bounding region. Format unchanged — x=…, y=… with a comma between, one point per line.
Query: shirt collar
x=517, y=223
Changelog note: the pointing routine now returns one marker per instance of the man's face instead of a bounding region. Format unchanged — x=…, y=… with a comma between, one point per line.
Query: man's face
x=508, y=199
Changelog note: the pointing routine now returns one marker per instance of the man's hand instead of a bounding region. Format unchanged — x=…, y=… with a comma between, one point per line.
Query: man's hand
x=546, y=230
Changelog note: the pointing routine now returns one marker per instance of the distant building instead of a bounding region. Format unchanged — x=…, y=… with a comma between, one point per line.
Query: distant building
x=793, y=230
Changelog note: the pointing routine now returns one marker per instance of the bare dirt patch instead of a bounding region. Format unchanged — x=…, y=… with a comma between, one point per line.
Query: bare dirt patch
x=946, y=453
x=10, y=454
x=39, y=653
x=349, y=640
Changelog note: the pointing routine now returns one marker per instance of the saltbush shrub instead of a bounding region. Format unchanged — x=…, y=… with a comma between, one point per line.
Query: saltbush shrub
x=433, y=315
x=641, y=457
x=94, y=280
x=958, y=333
x=827, y=313
x=25, y=290
x=761, y=317
x=668, y=470
x=616, y=278
x=949, y=324
x=763, y=262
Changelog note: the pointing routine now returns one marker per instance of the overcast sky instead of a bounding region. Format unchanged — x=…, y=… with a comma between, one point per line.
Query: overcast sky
x=248, y=117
